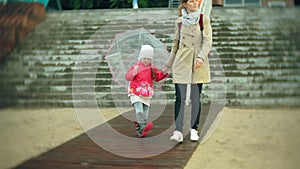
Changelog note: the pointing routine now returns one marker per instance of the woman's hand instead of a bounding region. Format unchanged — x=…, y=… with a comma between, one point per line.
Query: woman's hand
x=198, y=63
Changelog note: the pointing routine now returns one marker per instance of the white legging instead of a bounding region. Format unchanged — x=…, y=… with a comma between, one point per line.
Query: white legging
x=141, y=112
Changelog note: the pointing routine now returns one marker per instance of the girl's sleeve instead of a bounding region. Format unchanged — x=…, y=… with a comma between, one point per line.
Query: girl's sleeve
x=159, y=75
x=129, y=74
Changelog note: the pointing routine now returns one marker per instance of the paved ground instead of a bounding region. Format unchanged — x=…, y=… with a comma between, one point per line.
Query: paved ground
x=245, y=138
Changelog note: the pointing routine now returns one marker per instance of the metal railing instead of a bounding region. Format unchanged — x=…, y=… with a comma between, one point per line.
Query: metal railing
x=205, y=7
x=174, y=3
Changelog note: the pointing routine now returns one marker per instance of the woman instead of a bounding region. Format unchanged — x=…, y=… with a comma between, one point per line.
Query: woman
x=189, y=63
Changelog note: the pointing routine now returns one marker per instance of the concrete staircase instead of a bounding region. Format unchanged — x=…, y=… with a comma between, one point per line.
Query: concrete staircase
x=41, y=70
x=259, y=49
x=62, y=61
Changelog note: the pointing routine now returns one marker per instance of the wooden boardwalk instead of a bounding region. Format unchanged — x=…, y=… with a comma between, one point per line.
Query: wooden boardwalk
x=83, y=152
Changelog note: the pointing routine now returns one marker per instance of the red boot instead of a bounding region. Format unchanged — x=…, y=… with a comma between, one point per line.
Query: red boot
x=143, y=129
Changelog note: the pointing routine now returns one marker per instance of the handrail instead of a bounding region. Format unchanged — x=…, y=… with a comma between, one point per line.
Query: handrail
x=206, y=7
x=172, y=3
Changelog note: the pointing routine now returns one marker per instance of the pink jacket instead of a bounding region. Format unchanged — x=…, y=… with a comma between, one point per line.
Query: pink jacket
x=141, y=84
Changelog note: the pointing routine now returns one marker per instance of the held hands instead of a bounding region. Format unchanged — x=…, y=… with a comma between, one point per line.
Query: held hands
x=165, y=69
x=198, y=63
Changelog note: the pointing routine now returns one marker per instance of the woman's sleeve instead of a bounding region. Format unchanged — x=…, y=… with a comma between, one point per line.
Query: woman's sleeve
x=207, y=38
x=175, y=46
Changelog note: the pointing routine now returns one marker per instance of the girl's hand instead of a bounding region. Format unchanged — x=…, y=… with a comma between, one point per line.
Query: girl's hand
x=135, y=70
x=165, y=69
x=199, y=62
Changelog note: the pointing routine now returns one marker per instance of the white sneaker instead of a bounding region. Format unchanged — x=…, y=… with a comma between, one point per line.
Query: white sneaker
x=177, y=136
x=194, y=135
x=135, y=6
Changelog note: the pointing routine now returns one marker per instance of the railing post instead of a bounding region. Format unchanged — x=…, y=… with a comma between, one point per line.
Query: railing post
x=59, y=4
x=206, y=7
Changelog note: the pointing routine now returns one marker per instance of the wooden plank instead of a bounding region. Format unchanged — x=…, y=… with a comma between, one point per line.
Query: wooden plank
x=83, y=152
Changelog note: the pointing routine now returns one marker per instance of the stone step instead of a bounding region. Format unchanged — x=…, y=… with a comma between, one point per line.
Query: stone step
x=66, y=68
x=56, y=64
x=227, y=58
x=219, y=39
x=57, y=28
x=65, y=49
x=97, y=54
x=96, y=59
x=287, y=101
x=81, y=44
x=233, y=84
x=243, y=85
x=156, y=26
x=123, y=96
x=228, y=65
x=66, y=79
x=84, y=33
x=270, y=34
x=268, y=51
x=260, y=102
x=108, y=97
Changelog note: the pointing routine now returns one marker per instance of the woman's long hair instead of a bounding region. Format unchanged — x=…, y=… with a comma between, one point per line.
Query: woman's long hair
x=181, y=7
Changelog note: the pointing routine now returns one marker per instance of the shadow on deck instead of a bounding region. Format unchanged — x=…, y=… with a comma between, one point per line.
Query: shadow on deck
x=83, y=152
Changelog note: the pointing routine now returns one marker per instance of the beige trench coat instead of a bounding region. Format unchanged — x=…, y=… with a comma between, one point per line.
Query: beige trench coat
x=191, y=47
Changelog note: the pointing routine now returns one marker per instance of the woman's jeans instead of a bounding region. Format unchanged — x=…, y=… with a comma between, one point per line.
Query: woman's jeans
x=181, y=90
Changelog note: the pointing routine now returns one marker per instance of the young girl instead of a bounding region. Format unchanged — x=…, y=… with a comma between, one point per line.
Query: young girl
x=140, y=76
